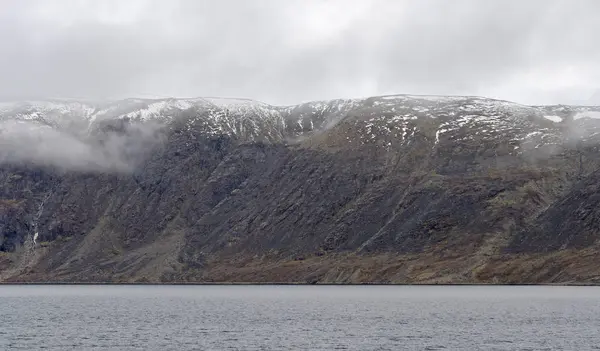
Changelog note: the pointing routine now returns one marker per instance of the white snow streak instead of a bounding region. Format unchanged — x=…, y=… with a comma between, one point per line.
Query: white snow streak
x=556, y=119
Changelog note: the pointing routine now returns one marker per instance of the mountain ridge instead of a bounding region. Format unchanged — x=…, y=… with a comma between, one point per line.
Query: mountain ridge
x=398, y=188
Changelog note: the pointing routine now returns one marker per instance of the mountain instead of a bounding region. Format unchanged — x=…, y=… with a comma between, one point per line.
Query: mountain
x=388, y=189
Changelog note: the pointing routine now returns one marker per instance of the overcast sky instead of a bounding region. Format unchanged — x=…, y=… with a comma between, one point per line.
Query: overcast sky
x=290, y=51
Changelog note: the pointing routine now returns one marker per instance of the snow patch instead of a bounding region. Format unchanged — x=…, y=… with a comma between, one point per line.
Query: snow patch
x=437, y=134
x=156, y=109
x=556, y=119
x=529, y=135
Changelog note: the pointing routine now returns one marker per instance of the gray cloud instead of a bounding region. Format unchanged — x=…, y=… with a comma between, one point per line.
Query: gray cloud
x=31, y=143
x=285, y=52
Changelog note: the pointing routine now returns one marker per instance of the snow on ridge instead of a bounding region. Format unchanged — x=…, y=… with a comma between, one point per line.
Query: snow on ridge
x=503, y=106
x=156, y=109
x=50, y=106
x=433, y=98
x=315, y=115
x=396, y=115
x=51, y=112
x=458, y=118
x=144, y=109
x=335, y=104
x=230, y=101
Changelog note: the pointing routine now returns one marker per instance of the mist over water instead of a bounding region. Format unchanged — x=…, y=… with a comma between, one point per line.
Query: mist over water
x=299, y=318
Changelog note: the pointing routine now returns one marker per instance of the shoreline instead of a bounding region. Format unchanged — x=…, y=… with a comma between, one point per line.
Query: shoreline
x=293, y=284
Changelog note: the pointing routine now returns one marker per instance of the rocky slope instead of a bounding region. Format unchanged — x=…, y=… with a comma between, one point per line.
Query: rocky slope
x=401, y=188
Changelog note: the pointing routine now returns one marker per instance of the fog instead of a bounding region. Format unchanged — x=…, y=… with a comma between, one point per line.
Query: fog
x=23, y=142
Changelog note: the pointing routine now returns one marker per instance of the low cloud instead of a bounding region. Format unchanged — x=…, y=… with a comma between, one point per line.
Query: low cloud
x=108, y=150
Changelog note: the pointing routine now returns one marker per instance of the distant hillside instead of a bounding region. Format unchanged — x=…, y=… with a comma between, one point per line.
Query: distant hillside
x=391, y=189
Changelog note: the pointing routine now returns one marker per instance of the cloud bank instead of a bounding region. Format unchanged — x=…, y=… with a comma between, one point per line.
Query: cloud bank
x=286, y=52
x=23, y=142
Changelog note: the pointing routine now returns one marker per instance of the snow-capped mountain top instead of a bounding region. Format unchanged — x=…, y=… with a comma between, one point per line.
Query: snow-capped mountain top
x=395, y=118
x=390, y=121
x=54, y=112
x=142, y=110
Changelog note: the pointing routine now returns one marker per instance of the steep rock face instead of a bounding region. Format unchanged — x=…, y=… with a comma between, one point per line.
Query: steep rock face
x=390, y=189
x=570, y=222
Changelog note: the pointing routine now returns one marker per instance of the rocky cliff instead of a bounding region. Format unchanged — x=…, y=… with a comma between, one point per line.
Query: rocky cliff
x=389, y=189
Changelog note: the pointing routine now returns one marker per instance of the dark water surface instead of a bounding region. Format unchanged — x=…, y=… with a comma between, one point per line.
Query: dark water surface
x=299, y=318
